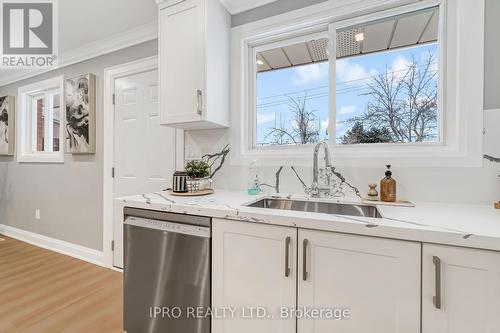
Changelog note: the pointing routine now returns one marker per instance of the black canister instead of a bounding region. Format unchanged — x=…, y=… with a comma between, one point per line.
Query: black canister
x=179, y=182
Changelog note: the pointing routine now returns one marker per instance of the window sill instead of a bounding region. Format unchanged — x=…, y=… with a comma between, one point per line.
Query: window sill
x=428, y=155
x=41, y=158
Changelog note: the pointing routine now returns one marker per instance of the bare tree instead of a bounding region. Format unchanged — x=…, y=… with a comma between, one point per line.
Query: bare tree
x=304, y=129
x=404, y=102
x=280, y=133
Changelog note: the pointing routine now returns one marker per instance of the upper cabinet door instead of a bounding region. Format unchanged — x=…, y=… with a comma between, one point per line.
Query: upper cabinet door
x=377, y=280
x=182, y=61
x=254, y=265
x=461, y=290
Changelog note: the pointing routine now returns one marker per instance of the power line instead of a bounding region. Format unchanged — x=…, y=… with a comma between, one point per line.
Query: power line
x=338, y=84
x=342, y=91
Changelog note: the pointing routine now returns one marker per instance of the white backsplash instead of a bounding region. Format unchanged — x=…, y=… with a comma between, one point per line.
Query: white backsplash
x=453, y=185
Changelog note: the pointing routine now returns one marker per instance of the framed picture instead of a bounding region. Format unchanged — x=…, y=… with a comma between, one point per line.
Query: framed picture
x=80, y=114
x=7, y=126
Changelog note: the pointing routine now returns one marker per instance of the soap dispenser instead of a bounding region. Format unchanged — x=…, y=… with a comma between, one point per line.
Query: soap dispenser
x=253, y=187
x=388, y=187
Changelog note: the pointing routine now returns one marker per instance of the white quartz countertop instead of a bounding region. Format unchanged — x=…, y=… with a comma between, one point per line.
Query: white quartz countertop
x=472, y=226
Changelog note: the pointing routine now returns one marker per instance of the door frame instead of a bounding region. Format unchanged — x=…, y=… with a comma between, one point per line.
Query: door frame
x=110, y=75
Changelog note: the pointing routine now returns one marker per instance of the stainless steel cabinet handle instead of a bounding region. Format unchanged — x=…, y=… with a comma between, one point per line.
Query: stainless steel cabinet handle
x=199, y=101
x=304, y=259
x=437, y=298
x=287, y=256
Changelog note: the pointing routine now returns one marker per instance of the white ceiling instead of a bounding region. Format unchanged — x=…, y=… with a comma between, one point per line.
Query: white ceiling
x=94, y=27
x=85, y=22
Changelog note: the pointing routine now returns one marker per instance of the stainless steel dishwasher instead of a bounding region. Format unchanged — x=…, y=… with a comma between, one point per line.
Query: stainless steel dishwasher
x=167, y=272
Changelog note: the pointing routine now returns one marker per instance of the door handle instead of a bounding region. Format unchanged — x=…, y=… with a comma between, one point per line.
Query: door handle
x=437, y=298
x=287, y=256
x=199, y=101
x=304, y=259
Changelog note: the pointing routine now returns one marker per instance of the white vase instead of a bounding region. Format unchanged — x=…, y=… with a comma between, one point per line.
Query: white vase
x=199, y=184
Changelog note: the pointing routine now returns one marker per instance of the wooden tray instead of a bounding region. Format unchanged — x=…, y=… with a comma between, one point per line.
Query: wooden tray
x=191, y=194
x=383, y=203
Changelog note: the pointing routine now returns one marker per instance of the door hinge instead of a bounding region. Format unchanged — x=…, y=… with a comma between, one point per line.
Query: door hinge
x=114, y=99
x=113, y=172
x=112, y=245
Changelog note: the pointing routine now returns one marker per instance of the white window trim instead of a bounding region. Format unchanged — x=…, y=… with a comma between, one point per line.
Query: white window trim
x=25, y=126
x=461, y=89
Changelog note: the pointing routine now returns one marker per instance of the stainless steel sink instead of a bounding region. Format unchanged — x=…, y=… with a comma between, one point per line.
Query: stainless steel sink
x=318, y=207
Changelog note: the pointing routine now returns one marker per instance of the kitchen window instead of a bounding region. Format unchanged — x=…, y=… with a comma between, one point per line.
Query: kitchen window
x=386, y=85
x=40, y=126
x=401, y=85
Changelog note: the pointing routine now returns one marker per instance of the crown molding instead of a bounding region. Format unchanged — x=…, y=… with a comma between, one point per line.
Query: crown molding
x=116, y=42
x=243, y=7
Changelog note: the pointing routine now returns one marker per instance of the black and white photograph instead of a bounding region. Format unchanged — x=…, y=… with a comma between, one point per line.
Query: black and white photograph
x=80, y=114
x=7, y=125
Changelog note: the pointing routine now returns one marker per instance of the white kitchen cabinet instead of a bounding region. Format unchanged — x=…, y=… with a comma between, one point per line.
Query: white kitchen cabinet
x=378, y=280
x=460, y=290
x=254, y=265
x=194, y=63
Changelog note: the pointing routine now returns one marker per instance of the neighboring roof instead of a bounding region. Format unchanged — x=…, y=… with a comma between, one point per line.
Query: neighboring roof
x=402, y=31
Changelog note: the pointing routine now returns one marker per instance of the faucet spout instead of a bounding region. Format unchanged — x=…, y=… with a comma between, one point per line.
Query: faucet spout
x=328, y=164
x=328, y=160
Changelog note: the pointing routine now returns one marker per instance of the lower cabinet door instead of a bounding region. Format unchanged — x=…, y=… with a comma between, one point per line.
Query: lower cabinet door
x=460, y=290
x=254, y=275
x=355, y=284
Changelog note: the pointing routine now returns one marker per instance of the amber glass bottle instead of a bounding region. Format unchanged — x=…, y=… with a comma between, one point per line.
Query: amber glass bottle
x=388, y=187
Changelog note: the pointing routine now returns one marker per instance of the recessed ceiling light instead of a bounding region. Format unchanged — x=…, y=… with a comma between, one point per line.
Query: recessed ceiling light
x=260, y=62
x=359, y=37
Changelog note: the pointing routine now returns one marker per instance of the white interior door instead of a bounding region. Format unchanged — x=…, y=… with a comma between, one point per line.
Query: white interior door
x=144, y=151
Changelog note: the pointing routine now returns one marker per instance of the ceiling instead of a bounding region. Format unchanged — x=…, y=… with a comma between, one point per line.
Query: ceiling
x=402, y=31
x=84, y=22
x=94, y=27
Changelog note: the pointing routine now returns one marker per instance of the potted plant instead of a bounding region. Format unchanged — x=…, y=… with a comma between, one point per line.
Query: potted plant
x=199, y=171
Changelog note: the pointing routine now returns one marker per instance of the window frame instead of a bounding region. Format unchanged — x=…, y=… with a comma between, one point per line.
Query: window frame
x=336, y=26
x=460, y=133
x=26, y=126
x=254, y=49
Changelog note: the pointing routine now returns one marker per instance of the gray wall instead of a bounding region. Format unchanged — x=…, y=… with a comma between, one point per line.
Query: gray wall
x=70, y=194
x=272, y=9
x=492, y=56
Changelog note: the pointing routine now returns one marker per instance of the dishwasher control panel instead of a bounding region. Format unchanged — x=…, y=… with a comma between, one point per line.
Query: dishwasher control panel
x=180, y=228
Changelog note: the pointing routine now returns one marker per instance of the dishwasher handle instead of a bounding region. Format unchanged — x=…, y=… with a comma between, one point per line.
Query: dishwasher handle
x=178, y=228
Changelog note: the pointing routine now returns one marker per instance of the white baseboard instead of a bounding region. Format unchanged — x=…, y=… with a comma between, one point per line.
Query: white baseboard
x=56, y=245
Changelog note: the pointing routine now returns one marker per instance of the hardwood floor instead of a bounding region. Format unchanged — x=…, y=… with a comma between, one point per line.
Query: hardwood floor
x=42, y=291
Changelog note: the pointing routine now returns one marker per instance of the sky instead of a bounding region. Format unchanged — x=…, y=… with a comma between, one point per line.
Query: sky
x=353, y=73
